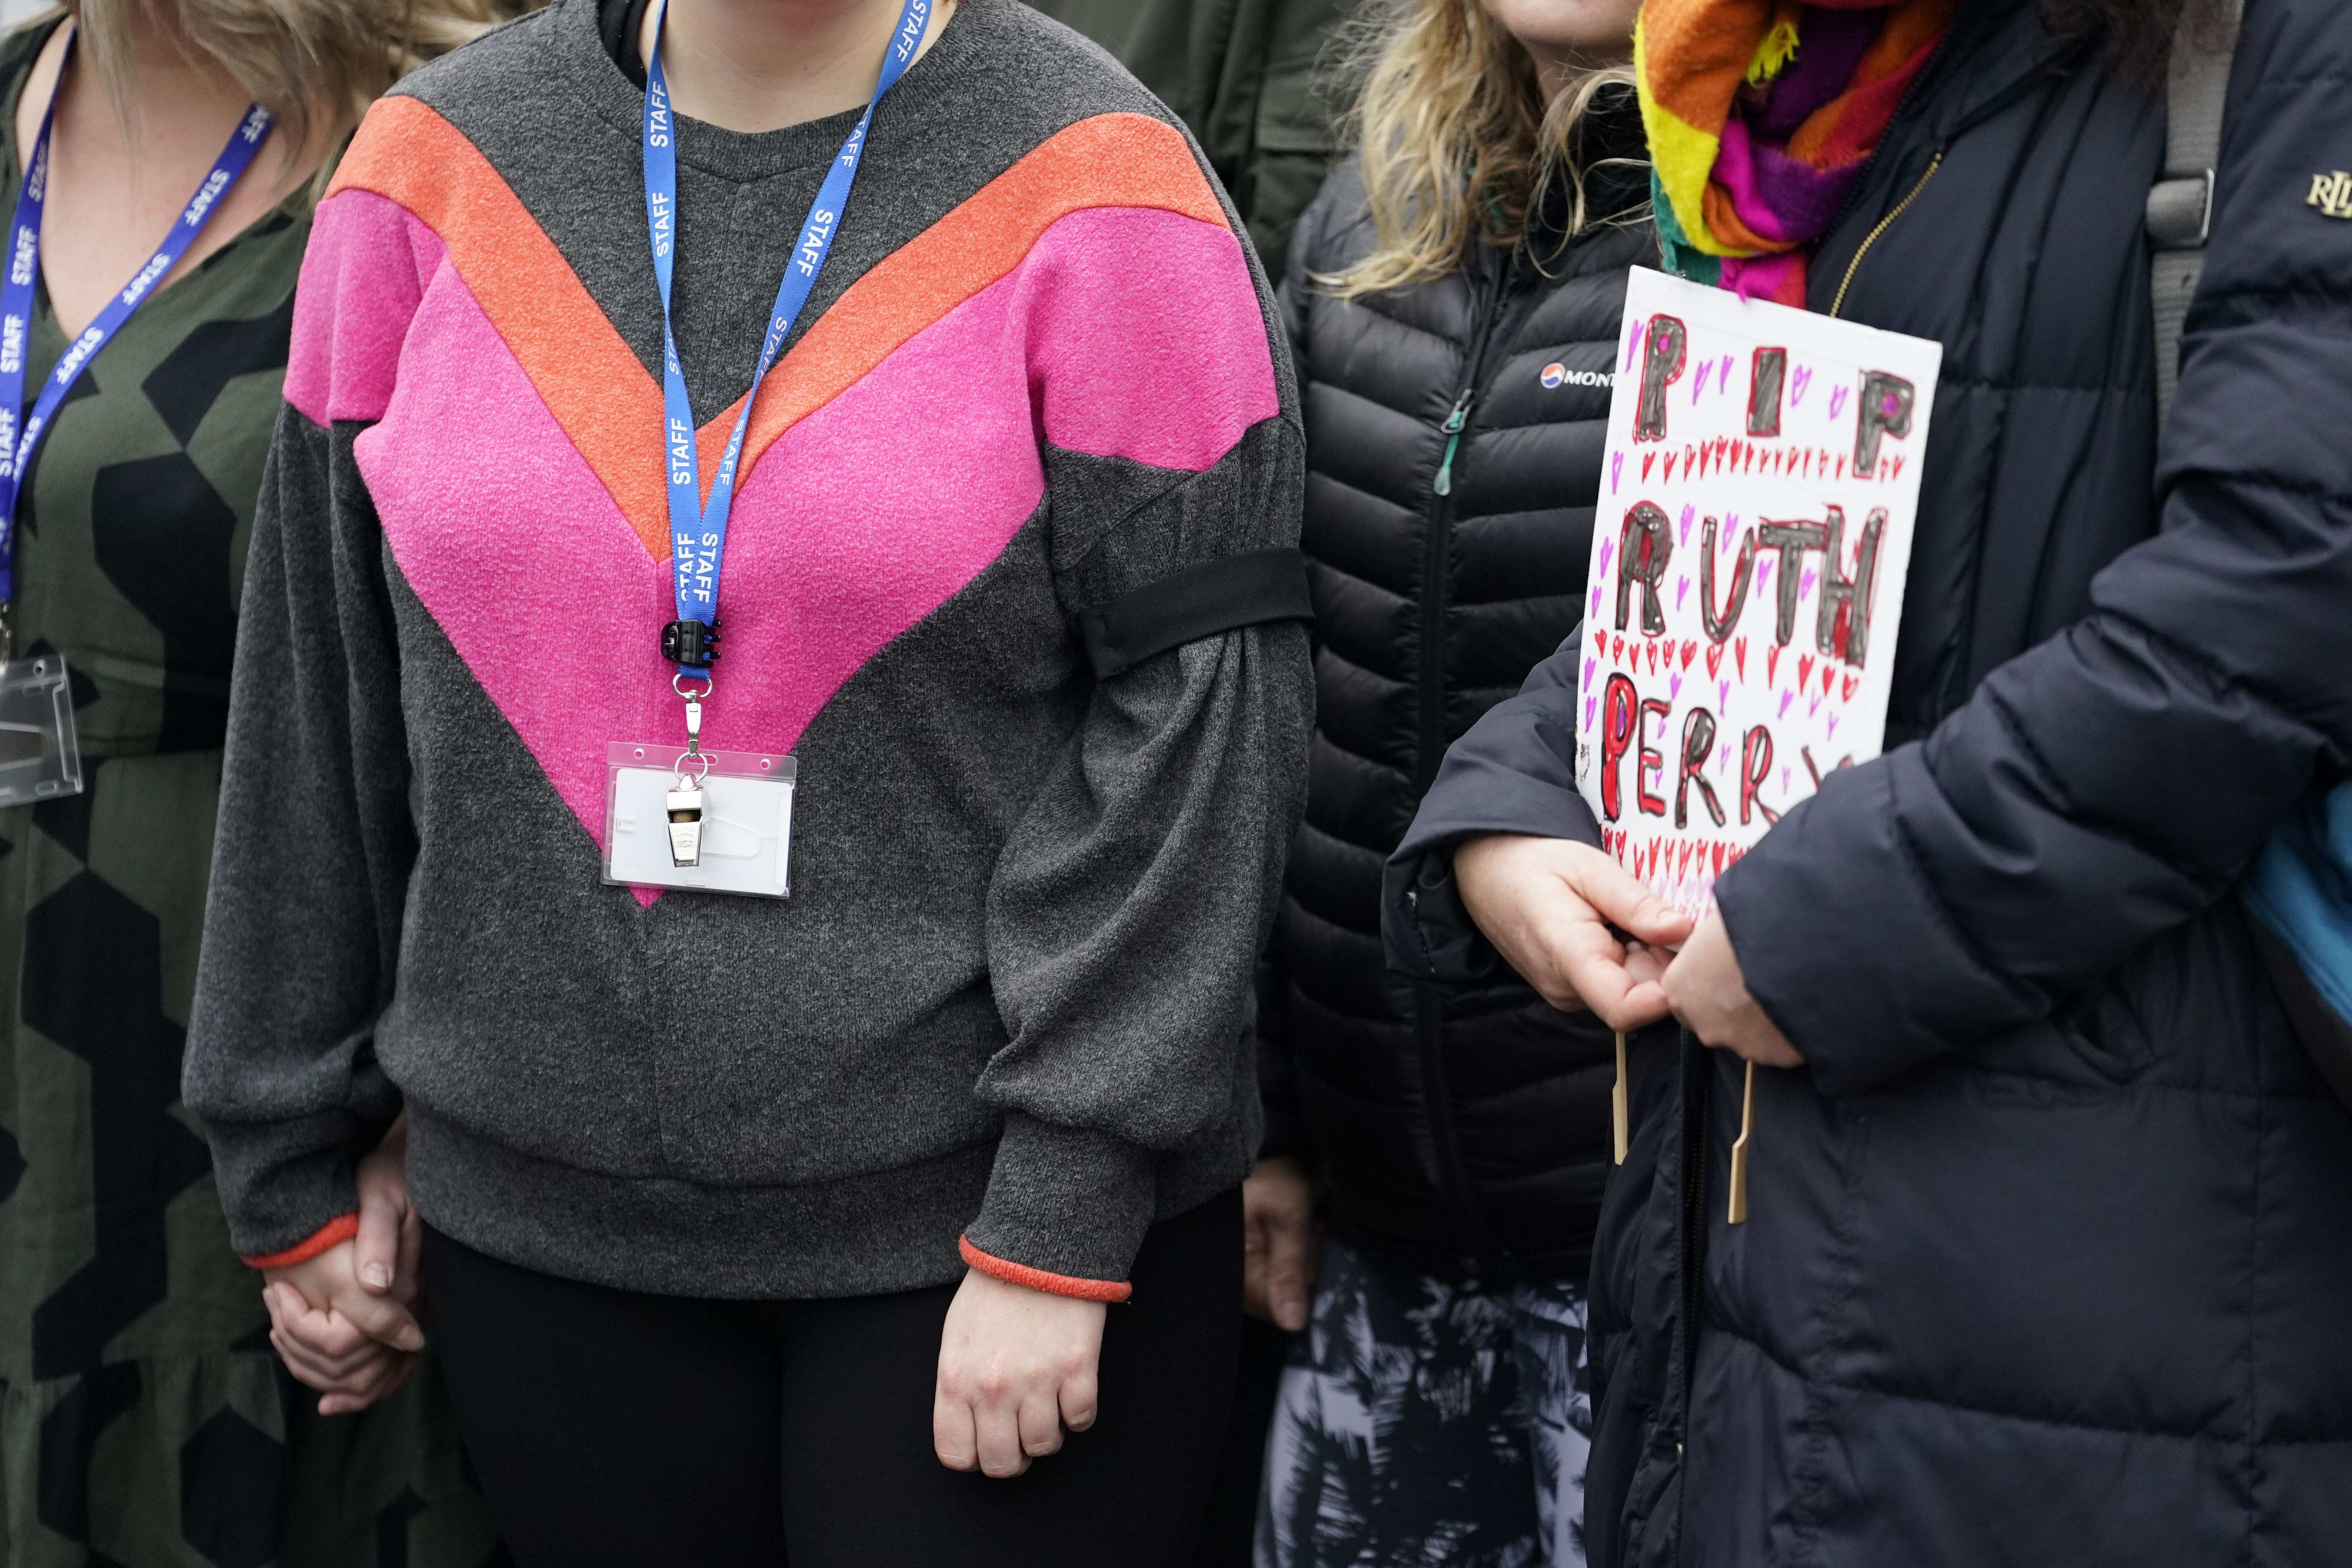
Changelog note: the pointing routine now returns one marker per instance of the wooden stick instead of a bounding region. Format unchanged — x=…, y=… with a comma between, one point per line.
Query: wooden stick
x=1738, y=1214
x=1617, y=1103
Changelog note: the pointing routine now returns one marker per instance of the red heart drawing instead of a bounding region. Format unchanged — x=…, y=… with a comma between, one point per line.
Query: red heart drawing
x=1804, y=669
x=1714, y=853
x=1827, y=671
x=1601, y=641
x=1617, y=650
x=1647, y=459
x=1713, y=658
x=1852, y=684
x=1739, y=656
x=1653, y=649
x=1772, y=664
x=1669, y=478
x=1690, y=652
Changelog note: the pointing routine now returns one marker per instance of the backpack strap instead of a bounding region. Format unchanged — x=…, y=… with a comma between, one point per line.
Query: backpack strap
x=2180, y=204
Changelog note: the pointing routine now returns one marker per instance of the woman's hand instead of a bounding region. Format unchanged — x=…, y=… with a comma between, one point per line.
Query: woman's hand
x=1277, y=1242
x=1548, y=904
x=1017, y=1366
x=341, y=1320
x=1707, y=993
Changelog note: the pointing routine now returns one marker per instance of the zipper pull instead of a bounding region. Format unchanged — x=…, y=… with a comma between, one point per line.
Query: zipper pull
x=1443, y=485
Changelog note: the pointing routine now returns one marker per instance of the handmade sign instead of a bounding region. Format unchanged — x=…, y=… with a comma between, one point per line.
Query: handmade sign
x=1756, y=504
x=1758, y=497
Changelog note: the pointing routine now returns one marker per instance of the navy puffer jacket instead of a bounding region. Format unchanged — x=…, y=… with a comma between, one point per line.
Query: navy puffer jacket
x=2050, y=1259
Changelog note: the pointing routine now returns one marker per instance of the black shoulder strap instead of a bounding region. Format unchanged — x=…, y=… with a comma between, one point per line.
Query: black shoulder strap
x=1201, y=601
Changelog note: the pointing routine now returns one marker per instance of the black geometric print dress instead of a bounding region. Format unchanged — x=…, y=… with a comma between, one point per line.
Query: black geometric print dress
x=144, y=1420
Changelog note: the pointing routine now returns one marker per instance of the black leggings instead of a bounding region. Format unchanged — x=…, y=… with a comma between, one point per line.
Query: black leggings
x=612, y=1427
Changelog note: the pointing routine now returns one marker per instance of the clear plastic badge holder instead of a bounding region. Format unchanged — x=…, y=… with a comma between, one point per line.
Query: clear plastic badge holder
x=40, y=758
x=747, y=820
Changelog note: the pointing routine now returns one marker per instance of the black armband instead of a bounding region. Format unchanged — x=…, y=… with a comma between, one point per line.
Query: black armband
x=1201, y=601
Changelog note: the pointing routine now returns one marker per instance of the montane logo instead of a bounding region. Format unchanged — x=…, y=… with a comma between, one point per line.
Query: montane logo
x=2331, y=193
x=1558, y=375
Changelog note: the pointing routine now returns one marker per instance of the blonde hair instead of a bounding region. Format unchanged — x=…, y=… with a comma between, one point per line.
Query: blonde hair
x=1456, y=141
x=316, y=65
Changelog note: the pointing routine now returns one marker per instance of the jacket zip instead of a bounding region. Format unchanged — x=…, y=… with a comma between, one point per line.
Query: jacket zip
x=1429, y=1020
x=1441, y=532
x=1884, y=224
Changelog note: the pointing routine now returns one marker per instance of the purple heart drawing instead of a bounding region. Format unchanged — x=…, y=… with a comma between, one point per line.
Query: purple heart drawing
x=1596, y=603
x=1608, y=548
x=1832, y=735
x=1723, y=757
x=1723, y=376
x=1674, y=687
x=1763, y=571
x=1805, y=584
x=1722, y=701
x=1724, y=540
x=1616, y=470
x=1590, y=703
x=1682, y=591
x=1689, y=512
x=1784, y=781
x=1813, y=708
x=1633, y=342
x=1698, y=382
x=1786, y=698
x=1800, y=379
x=1837, y=401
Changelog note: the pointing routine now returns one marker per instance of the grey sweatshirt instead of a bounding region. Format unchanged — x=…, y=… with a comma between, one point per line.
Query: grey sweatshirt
x=1005, y=1004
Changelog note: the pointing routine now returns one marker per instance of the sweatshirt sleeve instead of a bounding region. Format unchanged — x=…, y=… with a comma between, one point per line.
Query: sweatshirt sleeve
x=315, y=841
x=1128, y=909
x=1513, y=771
x=2112, y=782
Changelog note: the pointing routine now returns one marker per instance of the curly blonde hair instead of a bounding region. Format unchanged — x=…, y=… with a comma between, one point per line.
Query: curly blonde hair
x=1455, y=140
x=316, y=65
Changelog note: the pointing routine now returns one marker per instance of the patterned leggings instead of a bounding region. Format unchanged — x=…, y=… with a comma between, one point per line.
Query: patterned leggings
x=1426, y=1422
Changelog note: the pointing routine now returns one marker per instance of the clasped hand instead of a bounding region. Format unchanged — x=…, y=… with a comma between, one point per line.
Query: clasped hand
x=1560, y=912
x=1017, y=1367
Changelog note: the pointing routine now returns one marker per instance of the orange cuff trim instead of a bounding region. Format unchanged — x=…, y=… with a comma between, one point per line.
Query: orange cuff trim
x=334, y=1233
x=1038, y=1279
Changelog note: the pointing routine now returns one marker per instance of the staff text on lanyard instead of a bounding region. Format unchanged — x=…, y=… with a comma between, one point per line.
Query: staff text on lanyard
x=18, y=444
x=697, y=530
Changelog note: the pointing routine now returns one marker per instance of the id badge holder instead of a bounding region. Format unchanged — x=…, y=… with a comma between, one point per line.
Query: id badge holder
x=40, y=757
x=719, y=821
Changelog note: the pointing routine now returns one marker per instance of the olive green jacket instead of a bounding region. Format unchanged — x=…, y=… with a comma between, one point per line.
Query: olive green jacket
x=1253, y=79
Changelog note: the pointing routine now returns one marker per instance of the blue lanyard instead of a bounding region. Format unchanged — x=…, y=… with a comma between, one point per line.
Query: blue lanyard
x=17, y=305
x=698, y=533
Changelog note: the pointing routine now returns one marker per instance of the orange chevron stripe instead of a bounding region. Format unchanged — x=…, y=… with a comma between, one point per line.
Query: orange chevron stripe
x=600, y=395
x=1109, y=160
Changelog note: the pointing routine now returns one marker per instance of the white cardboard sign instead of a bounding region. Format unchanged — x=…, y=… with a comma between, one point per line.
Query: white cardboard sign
x=1758, y=499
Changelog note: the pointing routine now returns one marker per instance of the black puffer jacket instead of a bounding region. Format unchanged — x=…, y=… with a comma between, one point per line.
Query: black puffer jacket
x=2050, y=1248
x=1454, y=434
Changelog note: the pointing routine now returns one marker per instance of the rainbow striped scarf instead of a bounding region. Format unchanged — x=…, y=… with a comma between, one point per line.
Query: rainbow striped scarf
x=1762, y=116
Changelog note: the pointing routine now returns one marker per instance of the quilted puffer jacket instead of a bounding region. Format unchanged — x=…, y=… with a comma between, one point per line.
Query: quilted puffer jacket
x=1454, y=438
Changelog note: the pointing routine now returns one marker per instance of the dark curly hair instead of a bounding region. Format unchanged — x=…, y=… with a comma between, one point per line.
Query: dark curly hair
x=2135, y=36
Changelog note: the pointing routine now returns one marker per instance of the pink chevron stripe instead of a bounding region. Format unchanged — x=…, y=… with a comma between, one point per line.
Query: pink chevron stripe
x=859, y=522
x=364, y=273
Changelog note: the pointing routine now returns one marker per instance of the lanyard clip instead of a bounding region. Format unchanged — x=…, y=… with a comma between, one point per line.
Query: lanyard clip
x=690, y=643
x=693, y=710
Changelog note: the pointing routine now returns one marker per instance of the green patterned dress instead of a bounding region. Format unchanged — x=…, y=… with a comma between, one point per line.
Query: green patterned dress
x=143, y=1418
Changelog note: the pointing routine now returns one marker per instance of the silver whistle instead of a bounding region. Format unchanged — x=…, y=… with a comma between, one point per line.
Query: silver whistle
x=685, y=825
